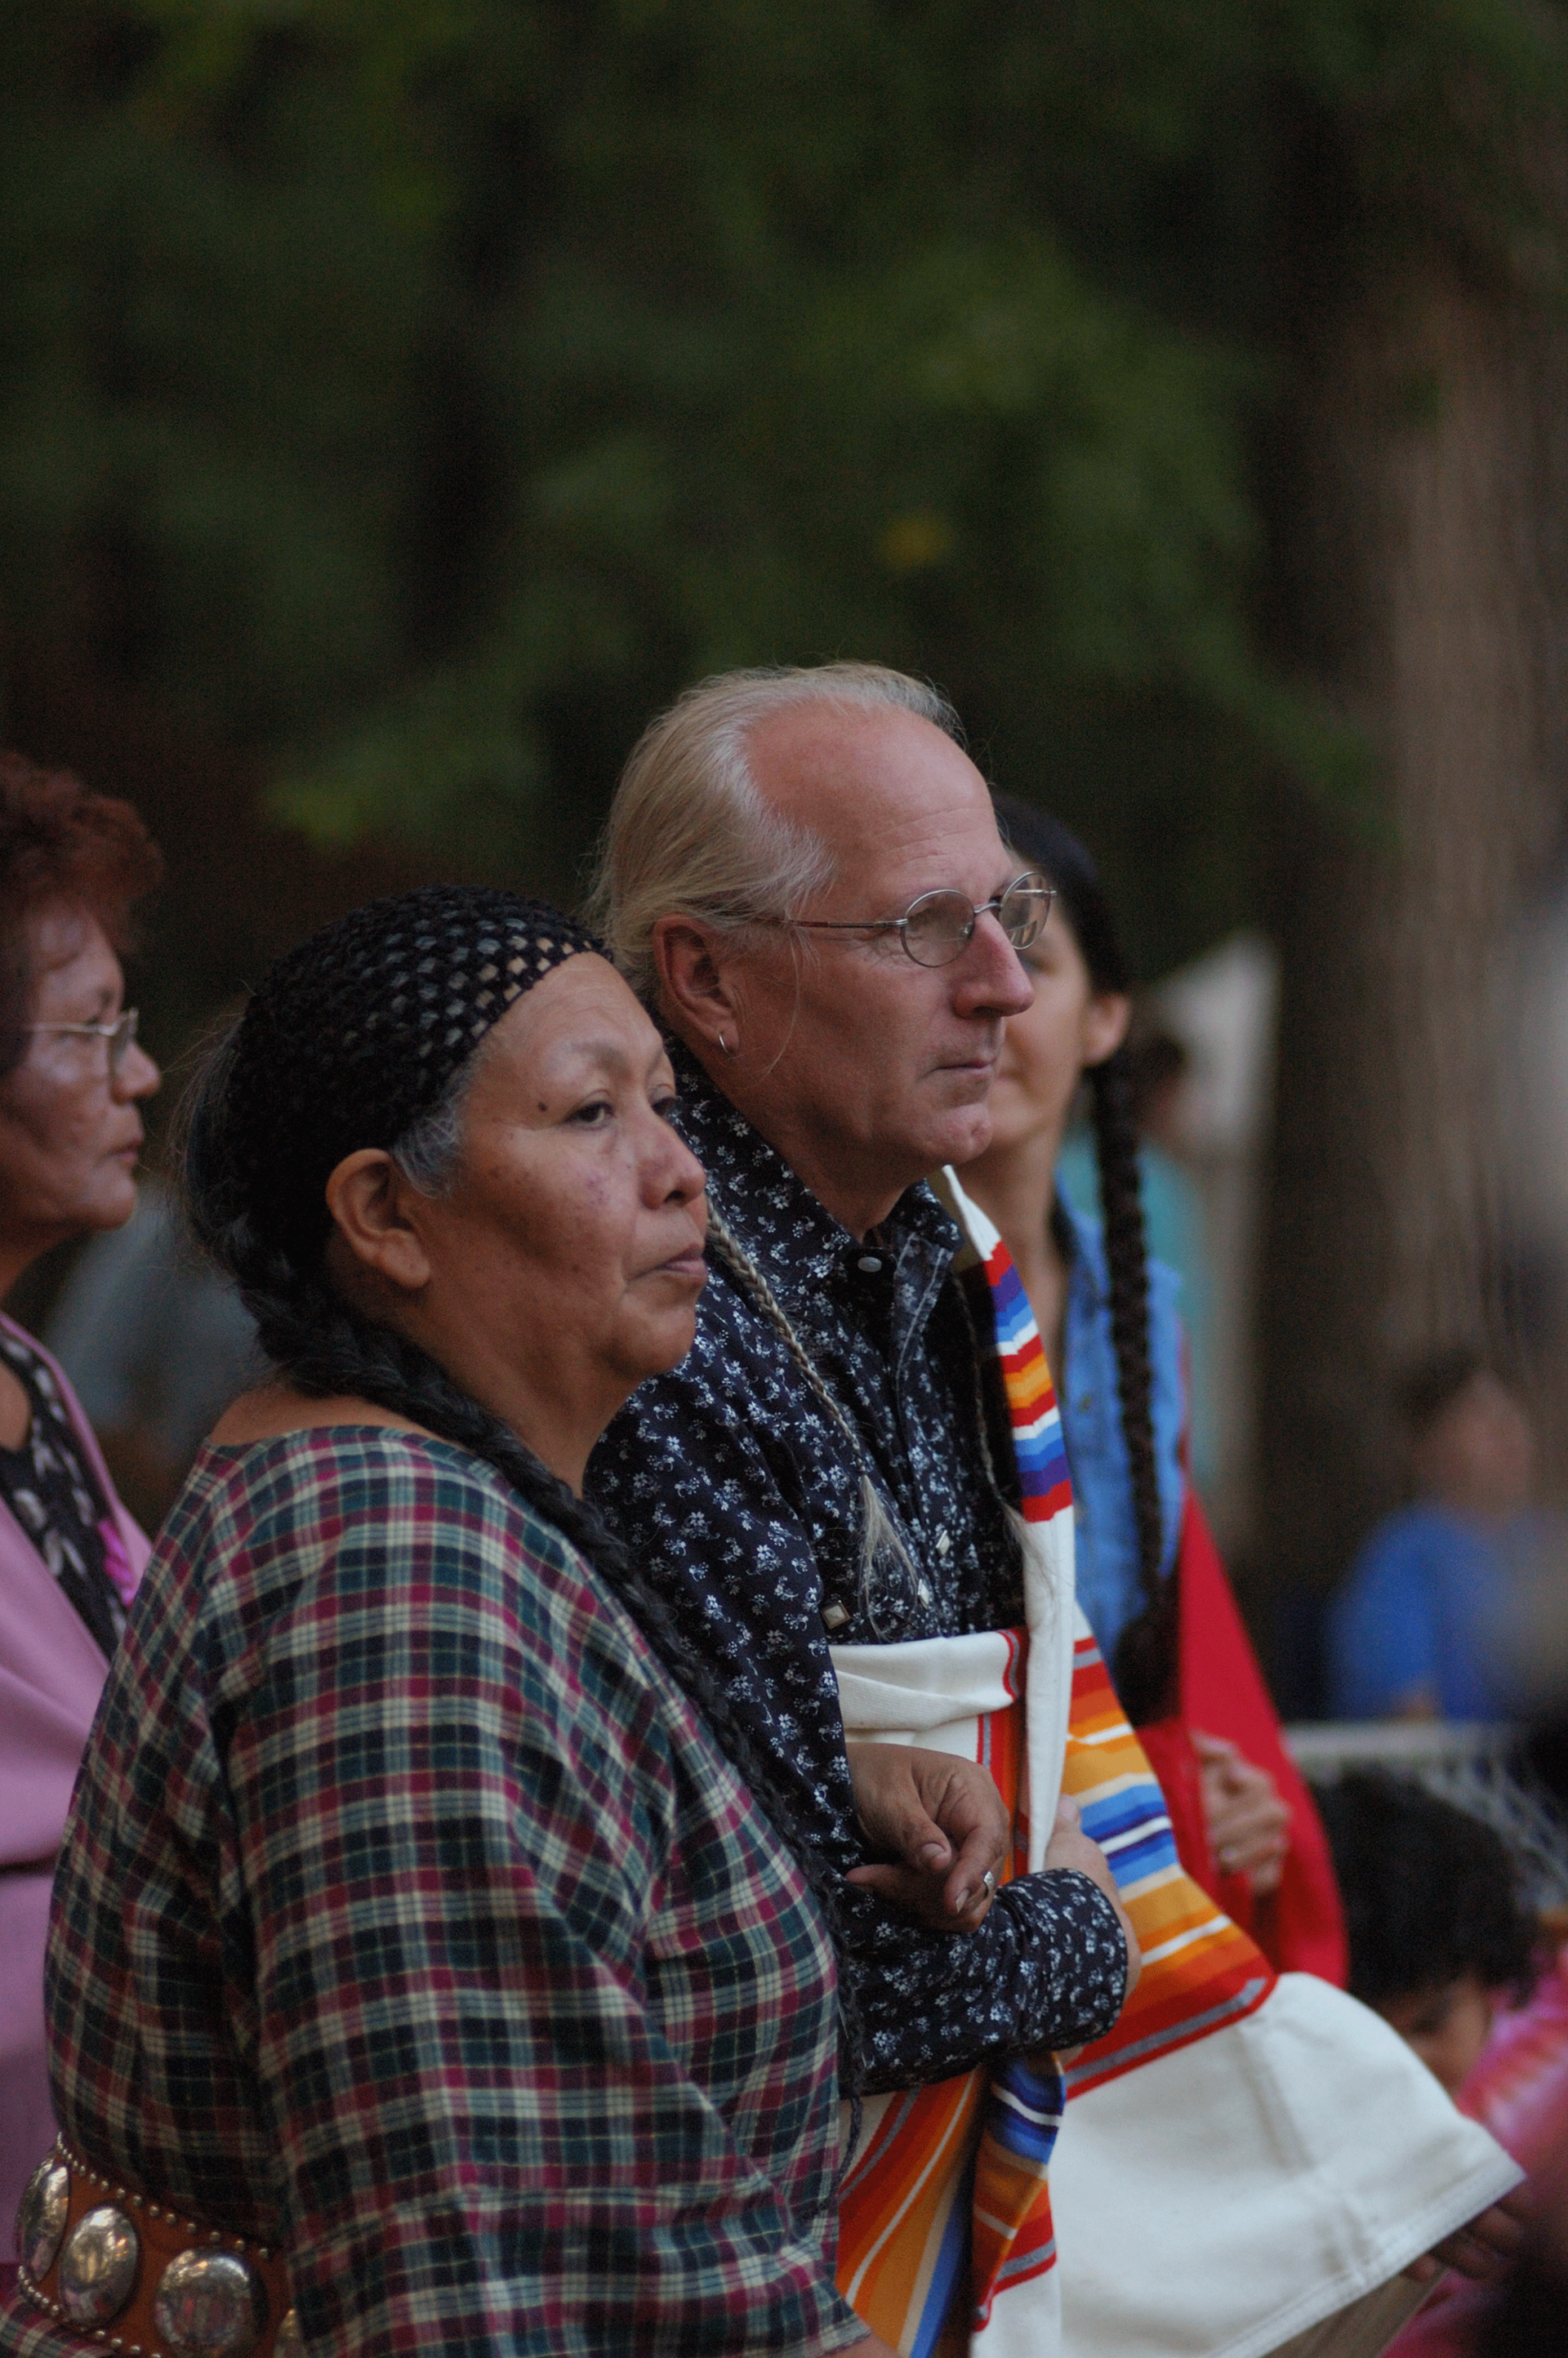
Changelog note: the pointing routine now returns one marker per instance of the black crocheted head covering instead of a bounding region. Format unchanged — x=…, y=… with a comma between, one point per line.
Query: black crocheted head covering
x=353, y=1037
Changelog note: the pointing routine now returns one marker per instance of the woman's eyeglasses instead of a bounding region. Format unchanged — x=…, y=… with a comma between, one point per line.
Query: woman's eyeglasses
x=938, y=927
x=119, y=1035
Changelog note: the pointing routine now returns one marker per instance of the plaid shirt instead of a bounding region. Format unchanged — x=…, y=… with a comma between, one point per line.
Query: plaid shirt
x=409, y=1918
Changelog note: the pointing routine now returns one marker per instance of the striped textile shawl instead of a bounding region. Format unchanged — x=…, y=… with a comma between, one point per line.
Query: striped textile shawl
x=1200, y=1971
x=950, y=2181
x=946, y=2204
x=1248, y=2162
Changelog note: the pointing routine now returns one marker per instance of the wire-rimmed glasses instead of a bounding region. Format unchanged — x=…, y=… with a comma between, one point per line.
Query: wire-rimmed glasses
x=119, y=1035
x=938, y=927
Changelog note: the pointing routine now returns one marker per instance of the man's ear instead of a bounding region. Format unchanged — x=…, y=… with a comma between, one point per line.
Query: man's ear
x=695, y=992
x=1106, y=1019
x=368, y=1197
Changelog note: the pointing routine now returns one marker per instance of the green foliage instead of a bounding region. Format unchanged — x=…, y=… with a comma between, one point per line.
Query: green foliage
x=422, y=390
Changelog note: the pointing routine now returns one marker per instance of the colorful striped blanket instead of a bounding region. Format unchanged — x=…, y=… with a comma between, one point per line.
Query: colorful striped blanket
x=945, y=2201
x=1244, y=2157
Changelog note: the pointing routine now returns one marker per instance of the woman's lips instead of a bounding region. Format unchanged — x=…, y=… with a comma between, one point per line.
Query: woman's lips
x=690, y=1264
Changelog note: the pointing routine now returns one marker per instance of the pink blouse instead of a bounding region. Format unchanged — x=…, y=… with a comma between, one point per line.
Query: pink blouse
x=51, y=1675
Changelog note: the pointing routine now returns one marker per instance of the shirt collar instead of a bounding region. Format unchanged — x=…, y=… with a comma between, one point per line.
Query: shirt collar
x=806, y=1245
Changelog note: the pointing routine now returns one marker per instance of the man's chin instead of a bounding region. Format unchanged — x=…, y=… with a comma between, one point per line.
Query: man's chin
x=966, y=1133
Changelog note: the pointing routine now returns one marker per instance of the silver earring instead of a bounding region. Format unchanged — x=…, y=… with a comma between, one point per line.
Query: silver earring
x=724, y=1044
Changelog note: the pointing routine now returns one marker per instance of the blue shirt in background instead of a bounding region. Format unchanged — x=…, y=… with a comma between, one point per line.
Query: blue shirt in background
x=1420, y=1609
x=1106, y=1529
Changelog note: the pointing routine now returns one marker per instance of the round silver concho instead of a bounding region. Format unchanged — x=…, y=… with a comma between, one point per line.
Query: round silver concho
x=98, y=2266
x=209, y=2304
x=289, y=2343
x=40, y=2221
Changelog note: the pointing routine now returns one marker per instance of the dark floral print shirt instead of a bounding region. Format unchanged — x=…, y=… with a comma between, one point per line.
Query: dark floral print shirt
x=738, y=1490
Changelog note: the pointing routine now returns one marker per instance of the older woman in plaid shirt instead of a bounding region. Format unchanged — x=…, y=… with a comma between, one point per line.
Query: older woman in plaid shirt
x=423, y=1976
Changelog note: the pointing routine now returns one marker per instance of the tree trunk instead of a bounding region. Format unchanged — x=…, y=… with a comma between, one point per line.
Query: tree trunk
x=1430, y=599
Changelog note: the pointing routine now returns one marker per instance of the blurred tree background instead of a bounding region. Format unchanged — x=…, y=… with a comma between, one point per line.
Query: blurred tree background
x=400, y=399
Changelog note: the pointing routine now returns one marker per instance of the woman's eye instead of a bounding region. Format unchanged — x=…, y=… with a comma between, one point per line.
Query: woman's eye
x=592, y=1116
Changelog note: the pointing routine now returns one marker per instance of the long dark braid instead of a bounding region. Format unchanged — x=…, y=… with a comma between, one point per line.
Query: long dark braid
x=1145, y=1663
x=324, y=1346
x=1145, y=1653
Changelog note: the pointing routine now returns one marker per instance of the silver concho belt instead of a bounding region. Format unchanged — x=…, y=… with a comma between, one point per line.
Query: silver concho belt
x=129, y=2276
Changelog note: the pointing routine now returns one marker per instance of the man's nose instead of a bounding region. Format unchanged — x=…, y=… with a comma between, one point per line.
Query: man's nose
x=994, y=979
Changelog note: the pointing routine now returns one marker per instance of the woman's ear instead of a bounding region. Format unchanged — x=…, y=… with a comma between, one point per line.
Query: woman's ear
x=368, y=1197
x=696, y=993
x=1106, y=1019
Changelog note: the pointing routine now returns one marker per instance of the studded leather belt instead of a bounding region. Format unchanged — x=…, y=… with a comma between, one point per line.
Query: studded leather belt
x=128, y=2276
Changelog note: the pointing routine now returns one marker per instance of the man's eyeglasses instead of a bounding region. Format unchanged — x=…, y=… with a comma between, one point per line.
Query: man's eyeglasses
x=119, y=1035
x=938, y=927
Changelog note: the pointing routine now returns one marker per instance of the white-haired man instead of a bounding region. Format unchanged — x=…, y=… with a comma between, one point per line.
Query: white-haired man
x=802, y=874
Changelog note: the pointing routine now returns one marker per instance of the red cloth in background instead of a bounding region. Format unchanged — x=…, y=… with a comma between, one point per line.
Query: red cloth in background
x=1220, y=1691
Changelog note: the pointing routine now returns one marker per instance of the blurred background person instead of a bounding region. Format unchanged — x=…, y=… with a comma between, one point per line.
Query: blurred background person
x=1448, y=1945
x=1419, y=1628
x=156, y=1344
x=72, y=1076
x=1149, y=1579
x=1442, y=1935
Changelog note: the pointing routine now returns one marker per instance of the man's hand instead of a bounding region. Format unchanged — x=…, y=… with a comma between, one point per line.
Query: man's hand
x=942, y=1819
x=1070, y=1846
x=1248, y=1824
x=1484, y=2247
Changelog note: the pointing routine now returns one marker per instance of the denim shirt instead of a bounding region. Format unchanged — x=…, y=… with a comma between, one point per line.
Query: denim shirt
x=1106, y=1529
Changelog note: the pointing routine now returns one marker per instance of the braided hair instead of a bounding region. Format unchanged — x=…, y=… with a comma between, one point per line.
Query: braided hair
x=1145, y=1653
x=365, y=1036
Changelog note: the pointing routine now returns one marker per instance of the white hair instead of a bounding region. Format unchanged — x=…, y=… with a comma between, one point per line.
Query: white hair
x=690, y=833
x=431, y=1148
